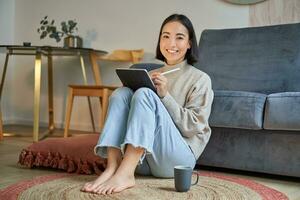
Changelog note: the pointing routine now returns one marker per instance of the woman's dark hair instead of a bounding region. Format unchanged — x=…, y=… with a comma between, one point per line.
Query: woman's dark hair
x=192, y=54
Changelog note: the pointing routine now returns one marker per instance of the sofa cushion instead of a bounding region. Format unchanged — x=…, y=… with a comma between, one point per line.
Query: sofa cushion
x=235, y=109
x=283, y=111
x=256, y=59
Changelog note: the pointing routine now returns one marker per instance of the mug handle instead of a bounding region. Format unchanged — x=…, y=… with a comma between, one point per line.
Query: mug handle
x=197, y=173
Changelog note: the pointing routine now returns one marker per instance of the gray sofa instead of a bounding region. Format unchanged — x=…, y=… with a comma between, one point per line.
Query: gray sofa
x=255, y=117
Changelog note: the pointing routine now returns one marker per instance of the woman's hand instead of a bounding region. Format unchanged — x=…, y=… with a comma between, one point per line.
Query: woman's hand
x=160, y=82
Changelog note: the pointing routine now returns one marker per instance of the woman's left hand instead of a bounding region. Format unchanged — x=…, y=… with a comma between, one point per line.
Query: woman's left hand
x=160, y=82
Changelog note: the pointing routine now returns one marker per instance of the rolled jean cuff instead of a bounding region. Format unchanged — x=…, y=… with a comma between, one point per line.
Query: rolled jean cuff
x=146, y=150
x=101, y=150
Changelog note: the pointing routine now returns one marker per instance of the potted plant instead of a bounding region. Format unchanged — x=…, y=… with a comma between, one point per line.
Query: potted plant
x=48, y=28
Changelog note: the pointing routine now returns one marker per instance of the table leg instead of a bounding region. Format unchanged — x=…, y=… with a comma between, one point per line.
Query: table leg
x=37, y=93
x=3, y=74
x=1, y=89
x=89, y=100
x=50, y=94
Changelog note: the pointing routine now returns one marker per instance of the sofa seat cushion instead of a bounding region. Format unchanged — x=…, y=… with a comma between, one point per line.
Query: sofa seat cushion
x=283, y=111
x=236, y=109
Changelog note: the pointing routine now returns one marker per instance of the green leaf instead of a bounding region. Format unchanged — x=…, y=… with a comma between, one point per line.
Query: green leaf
x=73, y=25
x=64, y=29
x=57, y=38
x=48, y=29
x=44, y=34
x=70, y=22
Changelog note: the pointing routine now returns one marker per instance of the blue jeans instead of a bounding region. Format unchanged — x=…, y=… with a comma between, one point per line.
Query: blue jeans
x=140, y=119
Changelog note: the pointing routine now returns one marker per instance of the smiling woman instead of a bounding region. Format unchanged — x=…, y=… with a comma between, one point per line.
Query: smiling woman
x=176, y=115
x=244, y=1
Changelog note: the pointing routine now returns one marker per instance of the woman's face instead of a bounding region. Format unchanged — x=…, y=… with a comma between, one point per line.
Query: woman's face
x=174, y=42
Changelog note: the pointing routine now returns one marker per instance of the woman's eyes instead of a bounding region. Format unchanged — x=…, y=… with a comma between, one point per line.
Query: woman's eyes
x=178, y=38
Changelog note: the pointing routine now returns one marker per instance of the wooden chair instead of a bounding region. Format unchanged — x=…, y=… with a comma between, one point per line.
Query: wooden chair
x=101, y=91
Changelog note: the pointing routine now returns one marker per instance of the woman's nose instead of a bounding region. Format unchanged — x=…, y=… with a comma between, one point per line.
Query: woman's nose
x=172, y=42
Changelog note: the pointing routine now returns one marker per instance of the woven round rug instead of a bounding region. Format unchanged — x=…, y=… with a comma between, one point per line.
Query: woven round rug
x=211, y=186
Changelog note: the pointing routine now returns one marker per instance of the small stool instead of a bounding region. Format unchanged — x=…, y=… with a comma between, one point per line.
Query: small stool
x=101, y=91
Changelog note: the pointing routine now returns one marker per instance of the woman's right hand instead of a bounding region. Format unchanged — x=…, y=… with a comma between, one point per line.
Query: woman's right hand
x=161, y=83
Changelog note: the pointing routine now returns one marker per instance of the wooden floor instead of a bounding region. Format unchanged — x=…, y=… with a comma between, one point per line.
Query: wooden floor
x=11, y=172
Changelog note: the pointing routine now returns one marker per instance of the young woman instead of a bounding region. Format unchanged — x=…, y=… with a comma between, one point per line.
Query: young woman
x=150, y=133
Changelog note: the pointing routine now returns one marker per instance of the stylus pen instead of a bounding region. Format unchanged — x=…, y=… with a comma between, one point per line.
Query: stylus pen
x=170, y=71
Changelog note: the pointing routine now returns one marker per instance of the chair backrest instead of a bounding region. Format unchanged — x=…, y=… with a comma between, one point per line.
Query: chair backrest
x=124, y=55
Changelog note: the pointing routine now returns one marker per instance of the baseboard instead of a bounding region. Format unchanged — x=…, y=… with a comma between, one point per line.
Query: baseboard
x=60, y=125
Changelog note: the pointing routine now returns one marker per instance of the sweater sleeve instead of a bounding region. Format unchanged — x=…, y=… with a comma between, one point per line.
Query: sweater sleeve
x=192, y=118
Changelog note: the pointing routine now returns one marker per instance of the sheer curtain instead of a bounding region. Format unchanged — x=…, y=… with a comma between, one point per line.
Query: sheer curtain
x=272, y=12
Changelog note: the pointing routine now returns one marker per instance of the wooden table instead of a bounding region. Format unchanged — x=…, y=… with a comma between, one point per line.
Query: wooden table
x=49, y=52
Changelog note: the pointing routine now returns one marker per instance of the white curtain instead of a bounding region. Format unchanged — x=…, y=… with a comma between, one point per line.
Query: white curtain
x=273, y=12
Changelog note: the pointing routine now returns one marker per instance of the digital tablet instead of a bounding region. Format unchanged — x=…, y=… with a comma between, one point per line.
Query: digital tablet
x=135, y=78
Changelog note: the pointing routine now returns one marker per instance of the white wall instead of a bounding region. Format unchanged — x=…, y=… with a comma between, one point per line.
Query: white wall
x=7, y=18
x=105, y=25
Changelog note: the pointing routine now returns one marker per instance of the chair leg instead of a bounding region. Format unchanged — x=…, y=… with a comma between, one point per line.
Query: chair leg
x=1, y=124
x=68, y=112
x=104, y=107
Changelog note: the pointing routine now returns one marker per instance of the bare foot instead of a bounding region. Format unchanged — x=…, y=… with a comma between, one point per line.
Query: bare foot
x=115, y=184
x=90, y=186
